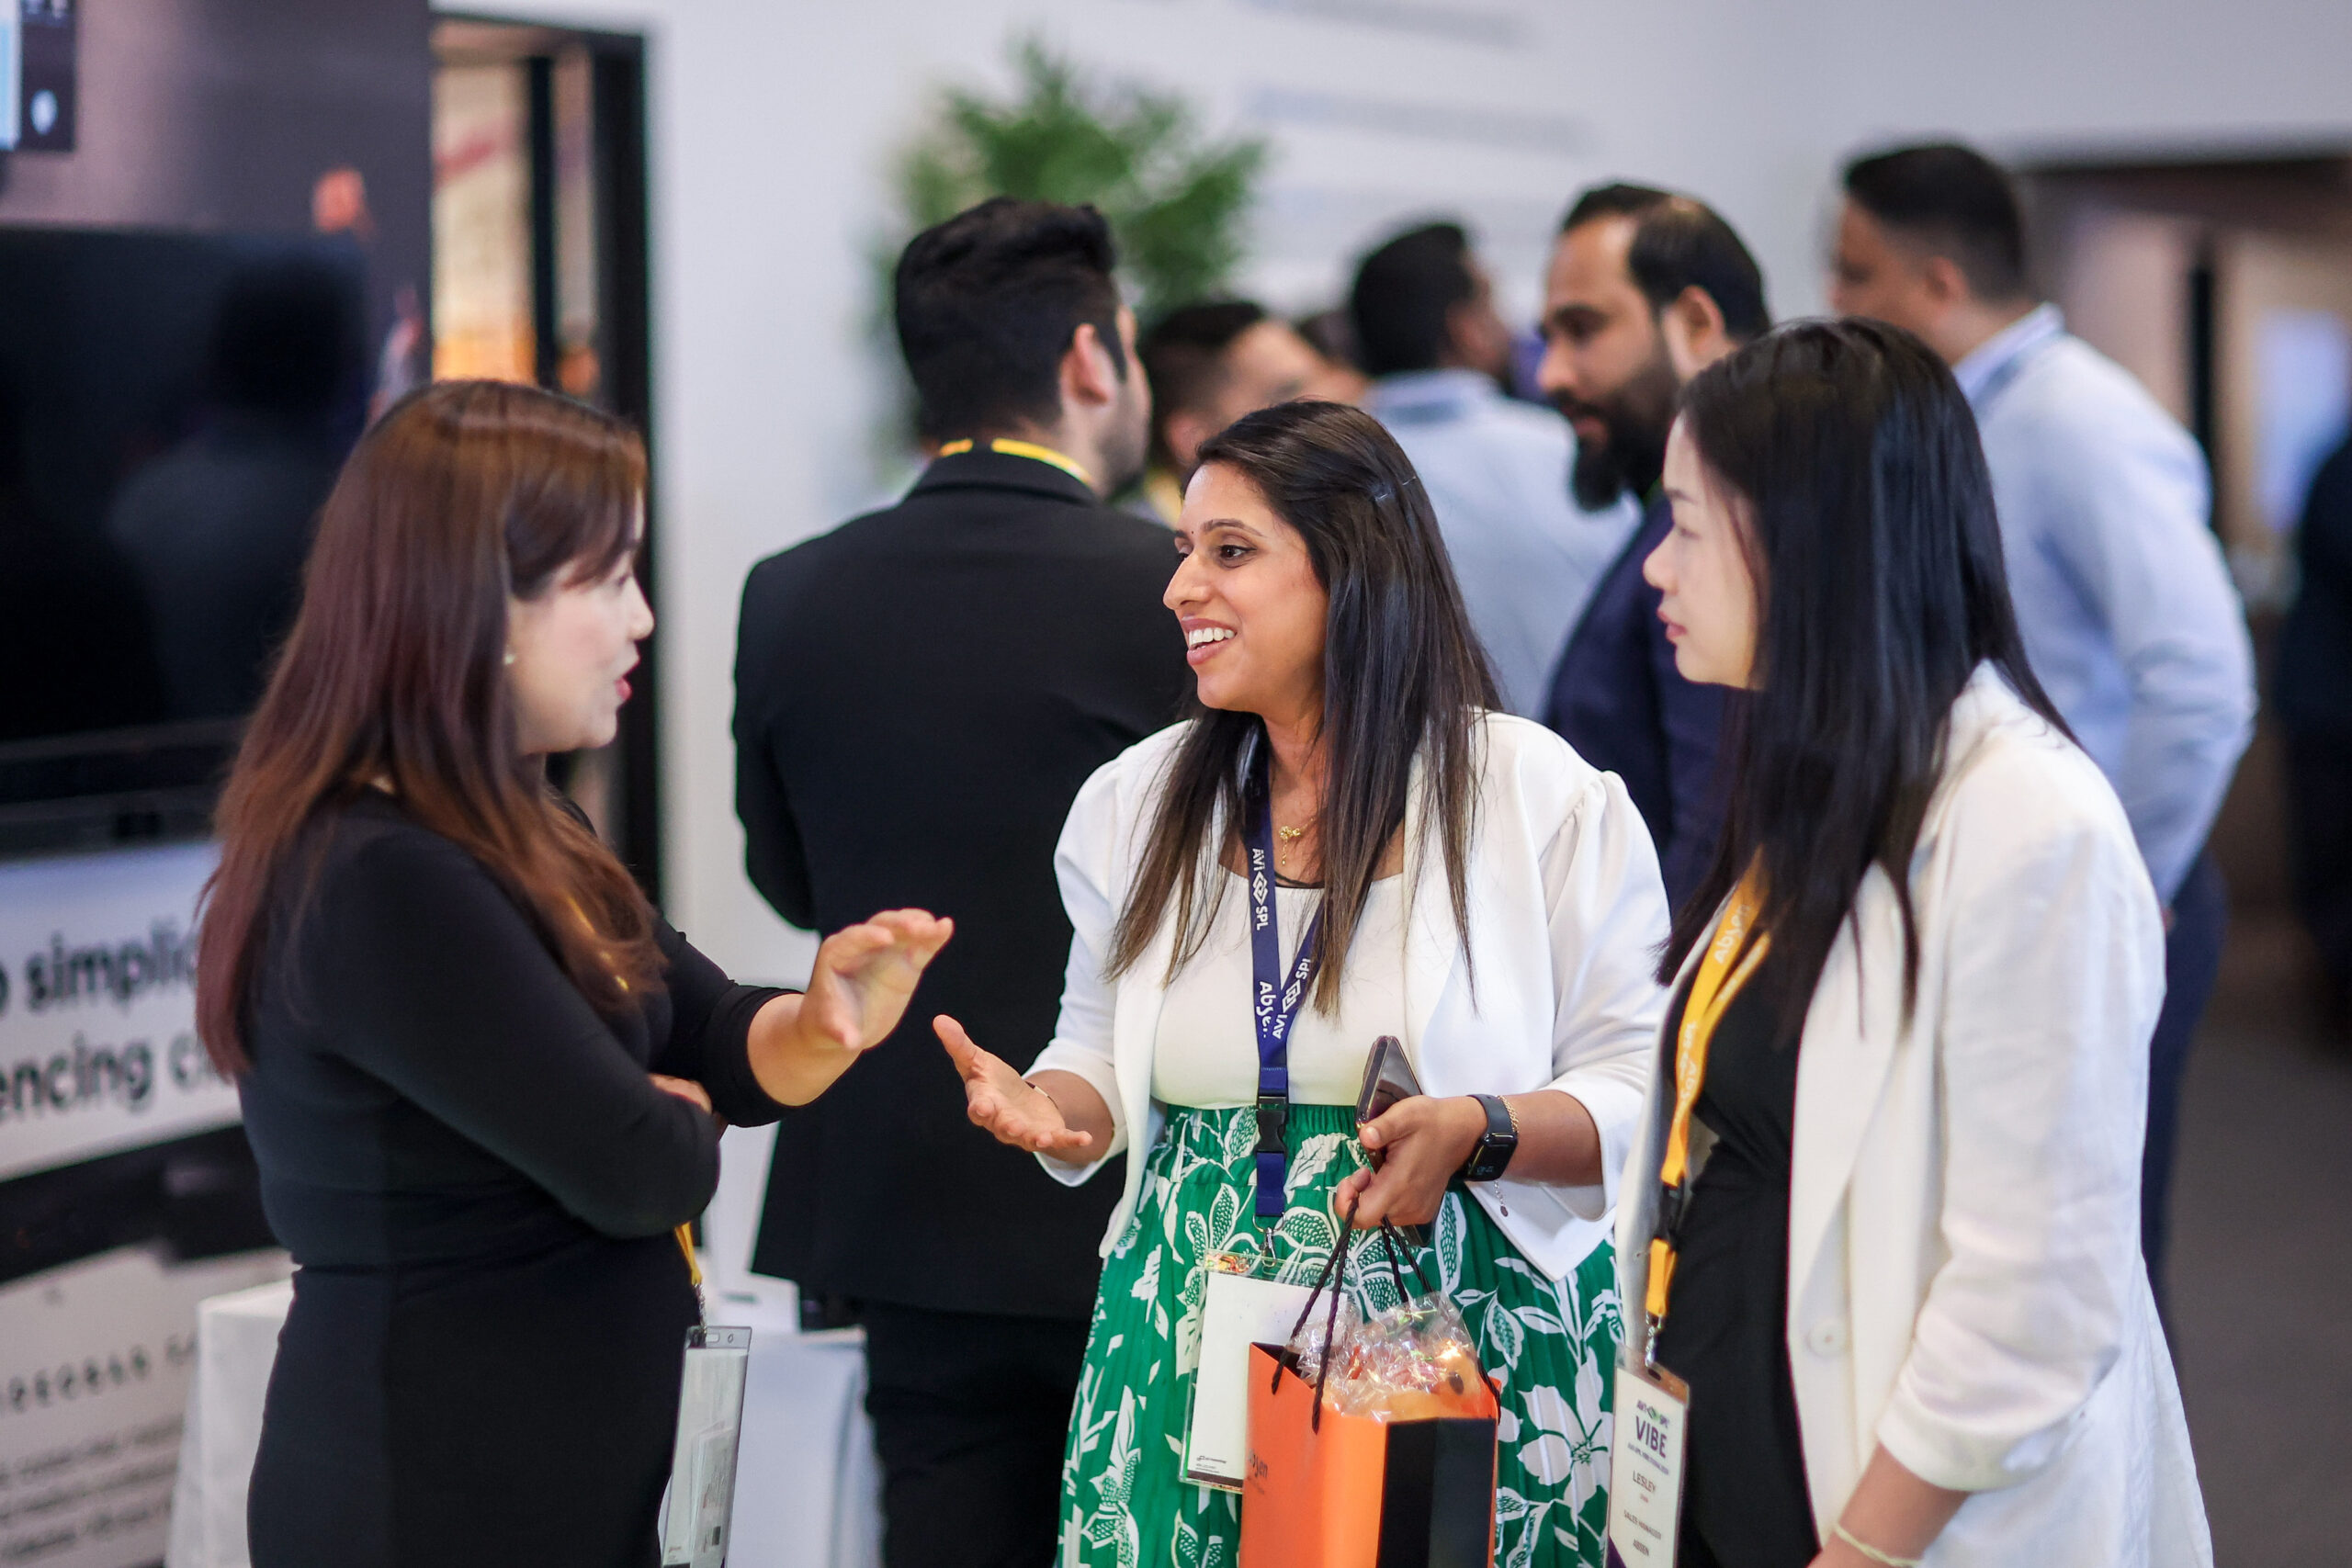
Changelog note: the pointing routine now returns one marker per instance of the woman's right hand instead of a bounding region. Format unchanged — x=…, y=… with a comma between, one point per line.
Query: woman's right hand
x=1000, y=1100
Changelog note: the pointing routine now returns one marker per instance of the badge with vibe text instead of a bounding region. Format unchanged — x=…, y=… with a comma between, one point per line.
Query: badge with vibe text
x=1652, y=1414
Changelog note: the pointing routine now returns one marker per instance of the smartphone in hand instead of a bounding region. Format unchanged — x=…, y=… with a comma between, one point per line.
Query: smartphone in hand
x=1387, y=1078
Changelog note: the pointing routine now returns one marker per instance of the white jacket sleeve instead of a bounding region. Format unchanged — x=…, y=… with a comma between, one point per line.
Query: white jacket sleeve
x=1082, y=1041
x=2055, y=972
x=1608, y=921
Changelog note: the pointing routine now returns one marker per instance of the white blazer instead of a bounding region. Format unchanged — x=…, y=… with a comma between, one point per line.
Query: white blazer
x=1566, y=915
x=1965, y=1283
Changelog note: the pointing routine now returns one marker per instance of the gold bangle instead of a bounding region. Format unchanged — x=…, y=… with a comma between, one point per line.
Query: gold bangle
x=1884, y=1559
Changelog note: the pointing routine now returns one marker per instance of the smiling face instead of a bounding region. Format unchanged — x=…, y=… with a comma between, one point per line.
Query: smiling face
x=1246, y=593
x=1701, y=567
x=573, y=648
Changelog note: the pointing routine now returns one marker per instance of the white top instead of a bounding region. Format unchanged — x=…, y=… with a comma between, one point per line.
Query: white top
x=1207, y=1051
x=1566, y=914
x=1965, y=1283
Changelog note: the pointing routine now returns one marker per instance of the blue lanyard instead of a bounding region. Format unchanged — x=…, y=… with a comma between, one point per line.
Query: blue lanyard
x=1274, y=999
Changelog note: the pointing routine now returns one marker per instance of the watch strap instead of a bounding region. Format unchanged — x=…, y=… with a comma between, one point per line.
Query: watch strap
x=1492, y=1155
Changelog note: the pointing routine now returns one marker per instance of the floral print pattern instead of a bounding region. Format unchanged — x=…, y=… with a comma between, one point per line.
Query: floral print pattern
x=1548, y=1345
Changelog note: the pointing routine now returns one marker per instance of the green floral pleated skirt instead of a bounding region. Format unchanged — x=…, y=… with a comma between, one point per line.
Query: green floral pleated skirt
x=1549, y=1346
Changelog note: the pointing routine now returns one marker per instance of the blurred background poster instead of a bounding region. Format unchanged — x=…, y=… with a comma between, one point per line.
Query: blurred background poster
x=128, y=1194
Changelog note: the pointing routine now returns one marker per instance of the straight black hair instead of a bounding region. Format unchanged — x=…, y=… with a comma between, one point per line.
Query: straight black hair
x=1402, y=295
x=1680, y=242
x=1955, y=201
x=1851, y=460
x=986, y=304
x=1403, y=678
x=1183, y=358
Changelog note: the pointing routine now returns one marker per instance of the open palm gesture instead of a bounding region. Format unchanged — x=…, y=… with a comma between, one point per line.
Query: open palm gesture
x=1000, y=1100
x=865, y=973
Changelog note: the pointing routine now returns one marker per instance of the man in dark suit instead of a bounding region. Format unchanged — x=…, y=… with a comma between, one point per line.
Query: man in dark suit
x=1646, y=289
x=919, y=695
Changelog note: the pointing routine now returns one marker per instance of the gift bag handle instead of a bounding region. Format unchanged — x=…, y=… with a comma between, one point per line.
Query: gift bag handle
x=1334, y=1275
x=1390, y=1240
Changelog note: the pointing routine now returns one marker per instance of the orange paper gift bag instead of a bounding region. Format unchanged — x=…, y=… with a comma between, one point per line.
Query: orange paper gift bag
x=1330, y=1489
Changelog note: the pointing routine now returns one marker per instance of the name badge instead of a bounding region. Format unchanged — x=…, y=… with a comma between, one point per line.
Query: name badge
x=1653, y=1424
x=700, y=1504
x=1236, y=1312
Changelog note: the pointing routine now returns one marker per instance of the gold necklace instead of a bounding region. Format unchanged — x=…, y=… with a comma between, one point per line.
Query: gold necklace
x=1288, y=836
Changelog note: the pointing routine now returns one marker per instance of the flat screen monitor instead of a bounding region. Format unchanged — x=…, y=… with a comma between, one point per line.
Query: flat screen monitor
x=173, y=410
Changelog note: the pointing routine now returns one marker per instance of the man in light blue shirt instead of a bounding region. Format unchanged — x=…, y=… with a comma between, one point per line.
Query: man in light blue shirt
x=1496, y=469
x=2130, y=618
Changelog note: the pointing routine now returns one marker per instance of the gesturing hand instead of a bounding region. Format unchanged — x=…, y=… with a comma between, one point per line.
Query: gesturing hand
x=1422, y=1141
x=863, y=976
x=1002, y=1101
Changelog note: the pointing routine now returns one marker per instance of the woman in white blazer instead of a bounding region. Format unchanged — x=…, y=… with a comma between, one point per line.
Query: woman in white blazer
x=1942, y=960
x=1474, y=889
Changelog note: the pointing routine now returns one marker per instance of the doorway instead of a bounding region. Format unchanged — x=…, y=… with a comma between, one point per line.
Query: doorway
x=540, y=277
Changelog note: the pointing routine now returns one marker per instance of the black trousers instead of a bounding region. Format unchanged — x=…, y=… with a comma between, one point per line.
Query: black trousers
x=971, y=1411
x=2200, y=919
x=2319, y=816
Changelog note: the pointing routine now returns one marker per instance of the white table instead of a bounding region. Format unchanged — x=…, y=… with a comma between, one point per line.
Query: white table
x=807, y=1488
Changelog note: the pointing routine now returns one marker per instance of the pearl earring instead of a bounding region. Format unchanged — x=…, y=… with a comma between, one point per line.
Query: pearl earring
x=510, y=656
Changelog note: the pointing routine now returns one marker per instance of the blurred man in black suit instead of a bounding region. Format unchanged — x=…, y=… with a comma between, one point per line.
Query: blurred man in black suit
x=919, y=695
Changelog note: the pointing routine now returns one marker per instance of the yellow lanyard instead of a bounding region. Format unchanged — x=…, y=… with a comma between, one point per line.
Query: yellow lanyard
x=1024, y=449
x=1712, y=988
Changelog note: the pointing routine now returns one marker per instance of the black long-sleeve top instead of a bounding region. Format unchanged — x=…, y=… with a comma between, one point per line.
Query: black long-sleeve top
x=428, y=1085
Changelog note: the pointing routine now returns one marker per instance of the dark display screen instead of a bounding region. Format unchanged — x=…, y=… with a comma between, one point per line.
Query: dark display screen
x=174, y=408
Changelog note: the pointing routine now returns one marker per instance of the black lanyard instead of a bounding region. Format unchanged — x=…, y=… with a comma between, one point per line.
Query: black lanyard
x=1275, y=998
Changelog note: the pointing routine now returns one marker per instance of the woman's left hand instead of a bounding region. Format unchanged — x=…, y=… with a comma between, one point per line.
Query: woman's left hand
x=1423, y=1143
x=865, y=976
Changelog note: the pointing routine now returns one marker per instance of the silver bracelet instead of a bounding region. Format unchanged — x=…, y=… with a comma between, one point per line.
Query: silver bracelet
x=1884, y=1559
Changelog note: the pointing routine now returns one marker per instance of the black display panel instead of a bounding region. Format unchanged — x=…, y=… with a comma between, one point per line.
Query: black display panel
x=174, y=408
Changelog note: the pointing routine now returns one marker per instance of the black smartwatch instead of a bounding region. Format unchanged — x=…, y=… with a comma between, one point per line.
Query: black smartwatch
x=1496, y=1144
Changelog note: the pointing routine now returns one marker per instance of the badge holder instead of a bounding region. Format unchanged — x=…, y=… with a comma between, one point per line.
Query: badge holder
x=1238, y=1309
x=698, y=1510
x=1652, y=1434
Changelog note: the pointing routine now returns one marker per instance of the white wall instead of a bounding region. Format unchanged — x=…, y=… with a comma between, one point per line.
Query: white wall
x=774, y=122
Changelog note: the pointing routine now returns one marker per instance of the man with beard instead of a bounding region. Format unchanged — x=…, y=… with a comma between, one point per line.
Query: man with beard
x=1646, y=289
x=919, y=695
x=1495, y=469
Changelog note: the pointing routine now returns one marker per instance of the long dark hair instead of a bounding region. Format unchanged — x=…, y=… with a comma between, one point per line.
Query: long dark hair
x=465, y=494
x=1866, y=511
x=1404, y=677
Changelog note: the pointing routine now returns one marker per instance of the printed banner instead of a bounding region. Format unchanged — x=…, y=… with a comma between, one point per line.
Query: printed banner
x=95, y=1363
x=98, y=1050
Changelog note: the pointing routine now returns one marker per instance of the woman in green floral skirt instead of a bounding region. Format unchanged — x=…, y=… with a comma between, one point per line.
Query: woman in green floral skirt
x=1344, y=843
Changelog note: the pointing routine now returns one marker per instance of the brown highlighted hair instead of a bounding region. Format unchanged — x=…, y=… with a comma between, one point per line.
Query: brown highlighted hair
x=1404, y=682
x=464, y=494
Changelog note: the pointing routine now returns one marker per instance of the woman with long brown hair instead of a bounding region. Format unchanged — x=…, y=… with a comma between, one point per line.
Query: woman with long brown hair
x=478, y=1071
